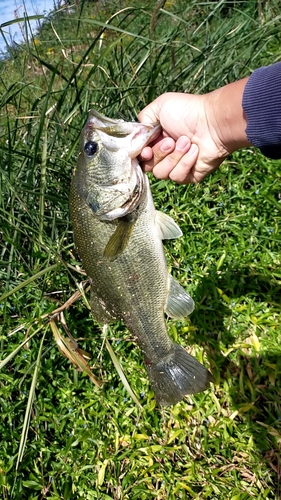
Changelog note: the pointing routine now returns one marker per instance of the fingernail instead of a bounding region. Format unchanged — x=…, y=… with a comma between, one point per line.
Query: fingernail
x=182, y=143
x=166, y=146
x=193, y=149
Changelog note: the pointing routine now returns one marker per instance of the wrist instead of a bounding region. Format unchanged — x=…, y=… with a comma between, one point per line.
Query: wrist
x=228, y=119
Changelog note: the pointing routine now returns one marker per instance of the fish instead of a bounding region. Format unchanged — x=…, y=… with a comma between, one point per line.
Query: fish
x=118, y=234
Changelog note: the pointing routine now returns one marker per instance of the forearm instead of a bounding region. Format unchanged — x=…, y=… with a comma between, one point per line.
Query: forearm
x=227, y=116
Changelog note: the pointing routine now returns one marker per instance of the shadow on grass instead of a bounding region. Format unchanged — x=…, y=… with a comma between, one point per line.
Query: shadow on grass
x=254, y=374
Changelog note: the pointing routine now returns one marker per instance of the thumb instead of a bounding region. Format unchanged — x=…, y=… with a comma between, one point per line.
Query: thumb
x=151, y=113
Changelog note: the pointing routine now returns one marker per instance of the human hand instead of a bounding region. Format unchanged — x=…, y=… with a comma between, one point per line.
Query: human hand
x=198, y=132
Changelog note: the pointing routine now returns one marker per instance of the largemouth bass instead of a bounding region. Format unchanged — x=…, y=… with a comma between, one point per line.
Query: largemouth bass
x=118, y=234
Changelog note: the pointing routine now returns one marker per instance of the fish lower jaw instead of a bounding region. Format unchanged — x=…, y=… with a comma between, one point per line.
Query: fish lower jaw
x=117, y=213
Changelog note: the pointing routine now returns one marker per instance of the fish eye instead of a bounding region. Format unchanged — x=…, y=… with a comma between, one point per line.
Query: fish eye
x=91, y=148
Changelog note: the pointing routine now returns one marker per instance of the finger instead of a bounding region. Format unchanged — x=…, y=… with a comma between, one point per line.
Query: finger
x=150, y=114
x=163, y=169
x=146, y=154
x=155, y=154
x=201, y=169
x=183, y=172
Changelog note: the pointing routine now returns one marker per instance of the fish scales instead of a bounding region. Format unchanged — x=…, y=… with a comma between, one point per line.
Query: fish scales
x=126, y=285
x=131, y=283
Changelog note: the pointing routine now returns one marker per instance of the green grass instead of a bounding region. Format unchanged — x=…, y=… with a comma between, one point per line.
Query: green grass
x=81, y=441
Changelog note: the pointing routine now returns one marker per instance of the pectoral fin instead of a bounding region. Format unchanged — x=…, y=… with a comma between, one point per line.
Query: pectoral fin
x=167, y=227
x=179, y=303
x=120, y=238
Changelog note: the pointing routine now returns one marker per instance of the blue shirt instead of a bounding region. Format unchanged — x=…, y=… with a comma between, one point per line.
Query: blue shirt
x=262, y=106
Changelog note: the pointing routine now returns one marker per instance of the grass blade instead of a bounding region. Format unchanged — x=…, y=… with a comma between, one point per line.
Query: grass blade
x=29, y=280
x=70, y=350
x=119, y=368
x=10, y=356
x=29, y=405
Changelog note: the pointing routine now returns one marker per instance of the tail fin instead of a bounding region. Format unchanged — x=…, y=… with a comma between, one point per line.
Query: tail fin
x=177, y=375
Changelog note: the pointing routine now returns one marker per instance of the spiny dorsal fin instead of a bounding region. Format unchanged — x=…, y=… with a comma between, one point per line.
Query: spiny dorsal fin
x=167, y=227
x=179, y=303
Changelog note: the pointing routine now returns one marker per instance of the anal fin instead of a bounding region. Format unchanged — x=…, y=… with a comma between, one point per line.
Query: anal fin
x=179, y=303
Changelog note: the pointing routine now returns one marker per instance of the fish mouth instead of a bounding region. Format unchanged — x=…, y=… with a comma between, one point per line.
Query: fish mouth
x=130, y=136
x=116, y=134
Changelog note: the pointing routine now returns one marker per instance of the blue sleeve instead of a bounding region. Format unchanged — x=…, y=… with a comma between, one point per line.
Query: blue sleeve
x=262, y=107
